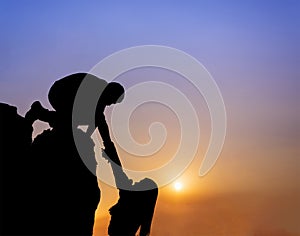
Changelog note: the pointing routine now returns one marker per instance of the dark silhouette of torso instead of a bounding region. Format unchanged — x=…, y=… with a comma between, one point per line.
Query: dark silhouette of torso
x=135, y=207
x=134, y=210
x=68, y=193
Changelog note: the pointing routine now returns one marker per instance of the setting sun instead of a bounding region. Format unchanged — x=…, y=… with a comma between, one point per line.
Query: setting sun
x=178, y=186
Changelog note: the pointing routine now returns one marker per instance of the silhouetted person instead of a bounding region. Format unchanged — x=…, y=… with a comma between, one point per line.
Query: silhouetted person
x=135, y=207
x=66, y=192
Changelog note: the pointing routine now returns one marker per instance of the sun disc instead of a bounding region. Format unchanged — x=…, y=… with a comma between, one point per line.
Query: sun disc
x=178, y=186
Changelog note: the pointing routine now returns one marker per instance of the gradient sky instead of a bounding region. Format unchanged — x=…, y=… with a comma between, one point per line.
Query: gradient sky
x=251, y=48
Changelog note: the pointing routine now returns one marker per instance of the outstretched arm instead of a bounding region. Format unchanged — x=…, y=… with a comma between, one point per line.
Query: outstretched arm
x=121, y=179
x=104, y=132
x=110, y=153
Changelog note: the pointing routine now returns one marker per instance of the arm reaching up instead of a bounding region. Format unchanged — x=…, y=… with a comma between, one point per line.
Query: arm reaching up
x=121, y=179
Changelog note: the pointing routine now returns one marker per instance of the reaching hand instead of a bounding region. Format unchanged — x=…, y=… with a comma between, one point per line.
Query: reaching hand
x=33, y=114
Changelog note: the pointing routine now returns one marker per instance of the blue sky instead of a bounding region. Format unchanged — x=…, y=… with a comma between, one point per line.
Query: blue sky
x=43, y=40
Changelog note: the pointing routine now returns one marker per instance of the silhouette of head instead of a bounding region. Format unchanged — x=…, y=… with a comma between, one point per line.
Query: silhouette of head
x=63, y=92
x=145, y=184
x=112, y=94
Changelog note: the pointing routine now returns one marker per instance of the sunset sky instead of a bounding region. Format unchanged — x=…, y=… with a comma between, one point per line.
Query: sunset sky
x=251, y=49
